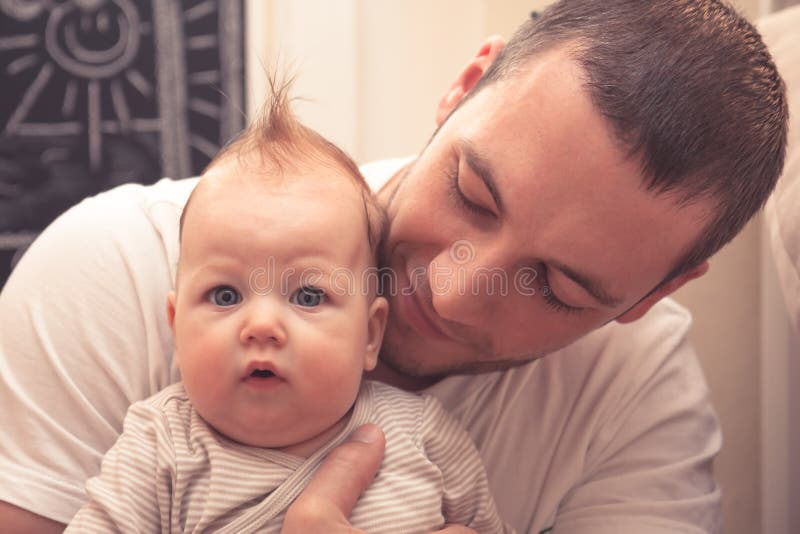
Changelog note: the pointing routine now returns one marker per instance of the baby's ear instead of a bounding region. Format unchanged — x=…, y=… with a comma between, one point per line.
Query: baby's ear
x=376, y=326
x=171, y=300
x=171, y=311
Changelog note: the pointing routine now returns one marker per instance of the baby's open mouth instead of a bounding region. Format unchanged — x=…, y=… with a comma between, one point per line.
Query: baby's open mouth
x=261, y=373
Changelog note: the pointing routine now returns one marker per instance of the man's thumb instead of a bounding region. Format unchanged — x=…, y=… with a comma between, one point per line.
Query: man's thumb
x=345, y=473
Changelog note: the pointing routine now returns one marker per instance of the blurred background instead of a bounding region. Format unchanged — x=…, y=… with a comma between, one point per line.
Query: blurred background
x=101, y=92
x=96, y=93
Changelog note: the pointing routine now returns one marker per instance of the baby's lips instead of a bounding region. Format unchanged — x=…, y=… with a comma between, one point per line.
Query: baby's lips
x=260, y=368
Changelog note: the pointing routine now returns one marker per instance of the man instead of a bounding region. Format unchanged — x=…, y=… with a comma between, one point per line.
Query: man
x=594, y=163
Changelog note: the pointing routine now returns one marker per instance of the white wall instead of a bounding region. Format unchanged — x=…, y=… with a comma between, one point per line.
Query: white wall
x=374, y=70
x=726, y=334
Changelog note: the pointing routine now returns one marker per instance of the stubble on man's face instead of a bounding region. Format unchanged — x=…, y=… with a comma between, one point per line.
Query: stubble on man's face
x=562, y=213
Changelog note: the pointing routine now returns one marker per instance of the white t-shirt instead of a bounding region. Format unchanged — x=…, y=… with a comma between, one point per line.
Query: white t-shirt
x=614, y=433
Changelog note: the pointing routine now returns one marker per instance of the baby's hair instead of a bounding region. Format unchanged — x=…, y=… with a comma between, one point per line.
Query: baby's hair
x=280, y=142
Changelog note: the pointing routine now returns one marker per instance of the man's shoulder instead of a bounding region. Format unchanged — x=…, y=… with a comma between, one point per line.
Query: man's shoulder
x=166, y=190
x=622, y=358
x=129, y=208
x=378, y=173
x=131, y=220
x=569, y=406
x=663, y=327
x=613, y=359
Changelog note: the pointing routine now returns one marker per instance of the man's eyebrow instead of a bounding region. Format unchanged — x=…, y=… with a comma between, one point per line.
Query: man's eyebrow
x=483, y=169
x=591, y=285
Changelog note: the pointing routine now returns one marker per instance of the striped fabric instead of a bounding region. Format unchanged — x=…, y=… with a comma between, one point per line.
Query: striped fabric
x=170, y=472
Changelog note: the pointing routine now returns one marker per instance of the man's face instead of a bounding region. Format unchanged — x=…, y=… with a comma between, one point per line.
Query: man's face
x=521, y=227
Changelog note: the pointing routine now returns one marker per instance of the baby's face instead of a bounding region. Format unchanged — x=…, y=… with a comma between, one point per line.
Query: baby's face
x=272, y=323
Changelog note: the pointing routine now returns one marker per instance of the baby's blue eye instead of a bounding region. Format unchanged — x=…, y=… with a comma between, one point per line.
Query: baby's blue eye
x=308, y=297
x=225, y=296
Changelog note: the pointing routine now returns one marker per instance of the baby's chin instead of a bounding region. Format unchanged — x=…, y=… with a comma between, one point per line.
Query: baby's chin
x=286, y=439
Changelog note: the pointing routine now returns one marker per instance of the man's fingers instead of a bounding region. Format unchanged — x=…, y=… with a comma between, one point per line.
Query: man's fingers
x=346, y=472
x=349, y=469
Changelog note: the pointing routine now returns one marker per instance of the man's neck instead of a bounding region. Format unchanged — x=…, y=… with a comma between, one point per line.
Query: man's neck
x=386, y=193
x=384, y=373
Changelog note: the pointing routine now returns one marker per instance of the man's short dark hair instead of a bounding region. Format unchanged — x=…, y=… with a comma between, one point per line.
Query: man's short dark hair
x=690, y=91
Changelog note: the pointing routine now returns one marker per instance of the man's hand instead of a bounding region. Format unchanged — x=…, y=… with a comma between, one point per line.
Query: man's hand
x=330, y=496
x=344, y=475
x=17, y=520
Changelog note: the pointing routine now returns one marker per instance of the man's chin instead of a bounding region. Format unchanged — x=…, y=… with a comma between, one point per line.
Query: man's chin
x=413, y=367
x=399, y=378
x=407, y=368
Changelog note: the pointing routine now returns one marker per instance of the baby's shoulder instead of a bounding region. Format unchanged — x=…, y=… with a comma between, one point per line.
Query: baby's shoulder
x=170, y=408
x=389, y=401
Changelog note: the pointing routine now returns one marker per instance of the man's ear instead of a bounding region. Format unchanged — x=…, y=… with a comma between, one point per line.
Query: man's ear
x=673, y=285
x=468, y=77
x=376, y=326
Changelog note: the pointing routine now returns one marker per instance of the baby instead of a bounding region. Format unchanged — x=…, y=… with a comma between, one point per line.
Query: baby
x=275, y=317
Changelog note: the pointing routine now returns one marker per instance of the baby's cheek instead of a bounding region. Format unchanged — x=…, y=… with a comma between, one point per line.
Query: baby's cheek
x=348, y=388
x=337, y=385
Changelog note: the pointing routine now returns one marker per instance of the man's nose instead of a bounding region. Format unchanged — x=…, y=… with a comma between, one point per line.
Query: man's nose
x=264, y=322
x=464, y=283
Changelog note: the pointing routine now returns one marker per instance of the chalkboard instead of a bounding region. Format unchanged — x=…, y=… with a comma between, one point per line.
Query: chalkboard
x=96, y=93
